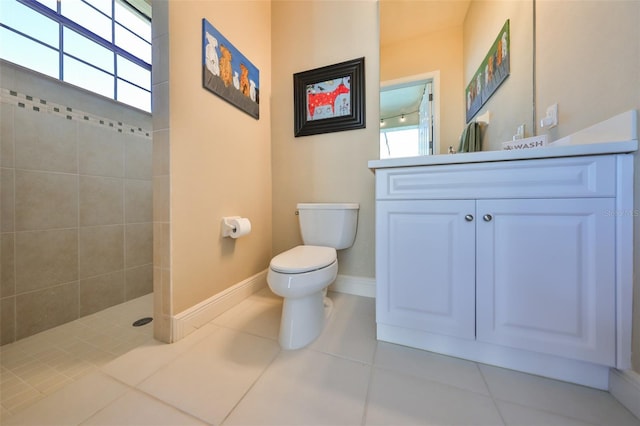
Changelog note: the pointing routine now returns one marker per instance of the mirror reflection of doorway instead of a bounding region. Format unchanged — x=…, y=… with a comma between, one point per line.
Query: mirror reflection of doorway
x=407, y=117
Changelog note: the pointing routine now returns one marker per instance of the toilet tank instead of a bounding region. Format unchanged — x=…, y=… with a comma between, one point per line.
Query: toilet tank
x=328, y=224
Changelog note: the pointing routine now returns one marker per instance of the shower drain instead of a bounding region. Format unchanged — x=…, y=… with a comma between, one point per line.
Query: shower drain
x=142, y=321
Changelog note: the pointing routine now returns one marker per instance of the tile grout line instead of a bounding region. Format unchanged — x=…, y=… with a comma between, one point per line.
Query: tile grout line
x=135, y=389
x=496, y=400
x=493, y=399
x=251, y=387
x=369, y=384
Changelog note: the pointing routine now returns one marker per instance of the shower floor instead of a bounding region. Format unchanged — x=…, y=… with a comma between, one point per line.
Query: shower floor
x=38, y=365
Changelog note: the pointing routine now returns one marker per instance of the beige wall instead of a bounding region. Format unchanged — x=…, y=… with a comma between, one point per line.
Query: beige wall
x=439, y=51
x=76, y=203
x=217, y=159
x=512, y=103
x=330, y=167
x=588, y=61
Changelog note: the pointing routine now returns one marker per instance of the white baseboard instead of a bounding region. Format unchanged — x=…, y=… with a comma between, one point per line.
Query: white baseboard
x=624, y=385
x=198, y=315
x=358, y=286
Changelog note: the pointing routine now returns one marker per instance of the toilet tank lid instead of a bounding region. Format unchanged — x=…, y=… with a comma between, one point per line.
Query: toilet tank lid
x=328, y=206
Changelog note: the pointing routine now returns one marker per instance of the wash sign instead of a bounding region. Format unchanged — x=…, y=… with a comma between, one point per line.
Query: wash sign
x=534, y=142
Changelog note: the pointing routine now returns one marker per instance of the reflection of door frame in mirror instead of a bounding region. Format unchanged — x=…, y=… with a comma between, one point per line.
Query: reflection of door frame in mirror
x=434, y=77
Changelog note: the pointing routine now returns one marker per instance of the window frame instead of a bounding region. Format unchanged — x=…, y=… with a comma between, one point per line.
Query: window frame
x=62, y=22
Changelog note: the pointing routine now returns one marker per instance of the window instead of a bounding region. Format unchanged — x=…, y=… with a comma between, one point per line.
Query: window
x=100, y=45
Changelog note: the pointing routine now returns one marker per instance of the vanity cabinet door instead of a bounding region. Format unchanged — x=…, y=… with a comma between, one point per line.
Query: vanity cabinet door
x=425, y=265
x=546, y=276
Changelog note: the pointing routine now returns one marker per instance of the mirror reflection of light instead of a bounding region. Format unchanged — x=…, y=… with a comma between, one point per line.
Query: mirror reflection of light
x=401, y=142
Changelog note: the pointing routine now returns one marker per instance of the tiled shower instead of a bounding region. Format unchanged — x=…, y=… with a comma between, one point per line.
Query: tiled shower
x=76, y=205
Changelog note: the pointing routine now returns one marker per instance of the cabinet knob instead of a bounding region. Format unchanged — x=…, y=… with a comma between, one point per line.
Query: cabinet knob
x=487, y=217
x=468, y=217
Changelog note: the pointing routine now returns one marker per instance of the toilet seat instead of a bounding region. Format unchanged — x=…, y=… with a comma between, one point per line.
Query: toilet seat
x=303, y=259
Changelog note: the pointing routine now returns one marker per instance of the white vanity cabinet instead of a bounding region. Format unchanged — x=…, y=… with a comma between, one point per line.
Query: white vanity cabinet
x=519, y=263
x=426, y=265
x=545, y=276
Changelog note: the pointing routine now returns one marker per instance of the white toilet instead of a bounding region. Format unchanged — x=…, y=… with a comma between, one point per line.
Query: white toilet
x=302, y=274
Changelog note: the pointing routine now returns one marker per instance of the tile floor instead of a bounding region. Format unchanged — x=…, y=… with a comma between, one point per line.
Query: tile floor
x=232, y=372
x=41, y=364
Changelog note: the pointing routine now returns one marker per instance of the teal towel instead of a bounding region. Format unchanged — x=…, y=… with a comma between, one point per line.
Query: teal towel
x=470, y=140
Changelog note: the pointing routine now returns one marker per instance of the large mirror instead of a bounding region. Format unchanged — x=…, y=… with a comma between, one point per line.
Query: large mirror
x=430, y=51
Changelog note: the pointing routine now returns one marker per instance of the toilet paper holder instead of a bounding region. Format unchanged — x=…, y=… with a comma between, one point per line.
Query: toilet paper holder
x=227, y=226
x=235, y=226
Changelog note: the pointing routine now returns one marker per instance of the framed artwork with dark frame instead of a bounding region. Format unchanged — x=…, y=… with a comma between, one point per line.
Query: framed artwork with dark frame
x=329, y=99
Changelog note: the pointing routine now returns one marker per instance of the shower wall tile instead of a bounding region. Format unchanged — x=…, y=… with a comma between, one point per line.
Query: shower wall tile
x=160, y=23
x=7, y=265
x=45, y=258
x=44, y=309
x=160, y=105
x=101, y=250
x=161, y=153
x=161, y=327
x=7, y=205
x=138, y=244
x=160, y=46
x=157, y=285
x=101, y=151
x=68, y=180
x=45, y=200
x=166, y=290
x=101, y=292
x=139, y=281
x=161, y=300
x=161, y=190
x=165, y=252
x=101, y=201
x=138, y=158
x=157, y=244
x=161, y=245
x=45, y=142
x=138, y=201
x=7, y=320
x=161, y=186
x=6, y=135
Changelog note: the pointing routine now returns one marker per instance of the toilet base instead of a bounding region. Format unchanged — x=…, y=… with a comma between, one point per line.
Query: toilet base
x=328, y=306
x=303, y=320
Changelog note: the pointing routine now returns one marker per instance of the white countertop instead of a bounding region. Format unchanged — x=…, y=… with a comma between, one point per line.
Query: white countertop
x=520, y=154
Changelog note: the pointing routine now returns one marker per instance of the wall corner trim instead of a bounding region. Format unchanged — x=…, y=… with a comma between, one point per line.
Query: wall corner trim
x=189, y=320
x=624, y=385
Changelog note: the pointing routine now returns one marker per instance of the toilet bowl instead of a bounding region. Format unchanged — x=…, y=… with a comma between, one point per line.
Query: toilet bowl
x=302, y=274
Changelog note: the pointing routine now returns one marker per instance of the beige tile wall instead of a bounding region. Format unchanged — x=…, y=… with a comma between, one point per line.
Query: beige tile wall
x=161, y=173
x=76, y=211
